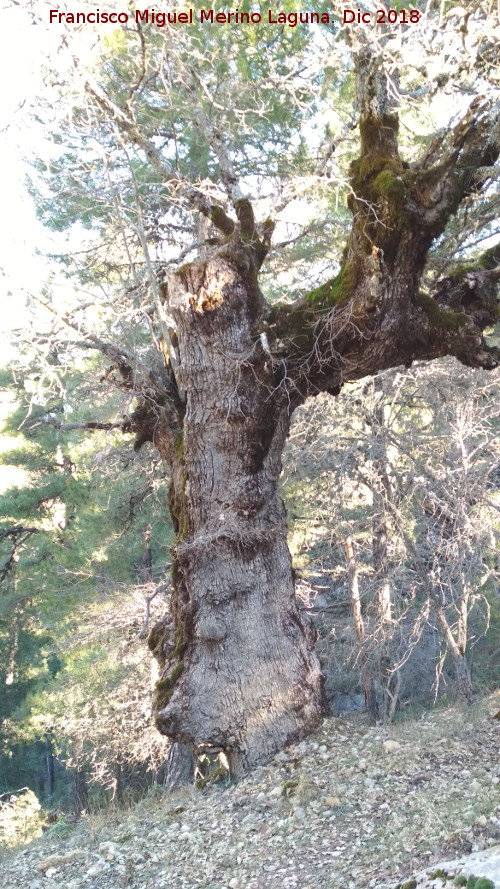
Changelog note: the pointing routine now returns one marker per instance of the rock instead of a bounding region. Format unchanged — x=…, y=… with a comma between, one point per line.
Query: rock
x=486, y=863
x=391, y=746
x=54, y=861
x=342, y=703
x=299, y=813
x=282, y=756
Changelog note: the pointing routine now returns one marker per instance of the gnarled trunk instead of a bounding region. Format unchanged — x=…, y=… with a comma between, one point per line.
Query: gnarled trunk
x=238, y=668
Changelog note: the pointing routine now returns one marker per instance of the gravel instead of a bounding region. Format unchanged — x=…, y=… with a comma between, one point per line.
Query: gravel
x=352, y=806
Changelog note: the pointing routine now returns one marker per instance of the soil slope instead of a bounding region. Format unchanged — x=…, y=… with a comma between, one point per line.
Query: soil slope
x=352, y=806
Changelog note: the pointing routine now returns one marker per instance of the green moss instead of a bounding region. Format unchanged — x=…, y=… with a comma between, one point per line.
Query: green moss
x=460, y=880
x=484, y=883
x=379, y=179
x=410, y=884
x=490, y=259
x=244, y=212
x=387, y=184
x=156, y=637
x=288, y=788
x=471, y=882
x=164, y=687
x=216, y=777
x=297, y=324
x=370, y=167
x=179, y=443
x=439, y=874
x=443, y=321
x=221, y=220
x=458, y=273
x=335, y=292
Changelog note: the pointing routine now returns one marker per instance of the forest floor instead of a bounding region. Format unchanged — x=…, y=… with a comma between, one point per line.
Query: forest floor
x=352, y=806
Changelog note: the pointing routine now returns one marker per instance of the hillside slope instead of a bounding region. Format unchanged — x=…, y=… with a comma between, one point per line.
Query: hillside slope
x=352, y=806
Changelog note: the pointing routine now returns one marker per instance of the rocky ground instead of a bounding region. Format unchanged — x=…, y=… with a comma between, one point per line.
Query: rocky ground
x=352, y=806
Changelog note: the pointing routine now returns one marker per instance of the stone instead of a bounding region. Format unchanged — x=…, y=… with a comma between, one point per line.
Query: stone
x=54, y=861
x=391, y=746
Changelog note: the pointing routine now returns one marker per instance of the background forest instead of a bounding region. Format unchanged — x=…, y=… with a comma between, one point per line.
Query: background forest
x=392, y=488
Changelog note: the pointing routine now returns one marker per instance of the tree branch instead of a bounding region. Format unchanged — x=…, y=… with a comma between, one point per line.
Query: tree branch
x=90, y=426
x=374, y=314
x=130, y=130
x=18, y=535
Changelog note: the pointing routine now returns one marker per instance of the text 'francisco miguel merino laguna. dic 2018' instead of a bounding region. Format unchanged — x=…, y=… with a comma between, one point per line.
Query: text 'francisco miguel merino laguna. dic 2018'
x=210, y=17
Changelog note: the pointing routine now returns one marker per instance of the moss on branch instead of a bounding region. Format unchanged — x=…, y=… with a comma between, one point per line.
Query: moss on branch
x=441, y=320
x=246, y=219
x=221, y=220
x=378, y=131
x=164, y=687
x=296, y=324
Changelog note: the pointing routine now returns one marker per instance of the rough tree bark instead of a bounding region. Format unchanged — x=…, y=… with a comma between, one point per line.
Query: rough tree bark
x=238, y=669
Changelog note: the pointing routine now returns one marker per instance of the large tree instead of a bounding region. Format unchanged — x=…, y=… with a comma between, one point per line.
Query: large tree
x=198, y=138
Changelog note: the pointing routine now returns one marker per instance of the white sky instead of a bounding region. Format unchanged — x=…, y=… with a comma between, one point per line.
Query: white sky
x=24, y=48
x=21, y=56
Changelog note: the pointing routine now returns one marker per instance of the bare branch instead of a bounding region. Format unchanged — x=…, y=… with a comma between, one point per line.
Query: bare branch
x=129, y=128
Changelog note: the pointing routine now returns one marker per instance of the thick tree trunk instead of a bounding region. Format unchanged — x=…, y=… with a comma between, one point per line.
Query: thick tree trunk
x=237, y=661
x=238, y=668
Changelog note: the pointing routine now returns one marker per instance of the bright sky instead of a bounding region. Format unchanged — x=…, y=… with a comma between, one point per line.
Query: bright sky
x=25, y=47
x=20, y=269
